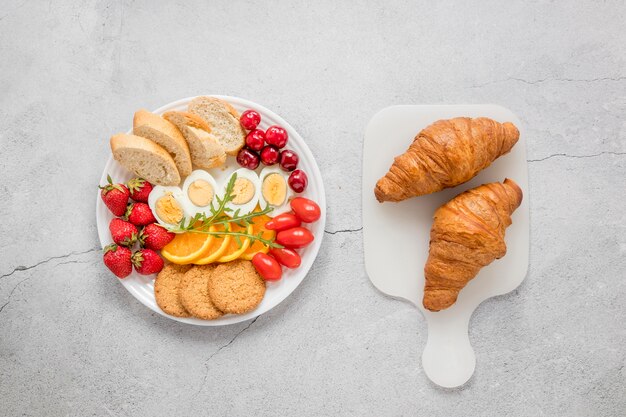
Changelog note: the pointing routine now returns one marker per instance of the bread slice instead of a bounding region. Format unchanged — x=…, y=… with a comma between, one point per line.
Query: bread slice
x=145, y=159
x=205, y=149
x=164, y=133
x=224, y=122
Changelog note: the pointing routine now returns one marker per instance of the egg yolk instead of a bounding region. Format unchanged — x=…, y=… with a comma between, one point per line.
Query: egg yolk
x=200, y=193
x=274, y=189
x=168, y=209
x=243, y=191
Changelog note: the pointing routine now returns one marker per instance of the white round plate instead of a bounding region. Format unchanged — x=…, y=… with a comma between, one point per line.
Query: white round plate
x=142, y=286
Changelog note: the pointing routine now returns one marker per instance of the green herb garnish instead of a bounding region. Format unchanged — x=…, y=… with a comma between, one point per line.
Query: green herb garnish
x=201, y=223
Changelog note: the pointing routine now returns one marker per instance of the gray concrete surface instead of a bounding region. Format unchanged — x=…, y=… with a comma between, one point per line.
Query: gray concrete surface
x=73, y=342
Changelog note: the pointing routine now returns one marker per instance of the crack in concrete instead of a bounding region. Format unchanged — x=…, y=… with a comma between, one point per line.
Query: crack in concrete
x=73, y=262
x=11, y=293
x=14, y=10
x=343, y=231
x=576, y=80
x=544, y=80
x=52, y=258
x=576, y=156
x=206, y=362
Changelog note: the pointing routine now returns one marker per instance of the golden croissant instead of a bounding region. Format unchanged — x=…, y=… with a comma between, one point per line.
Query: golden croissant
x=467, y=234
x=446, y=154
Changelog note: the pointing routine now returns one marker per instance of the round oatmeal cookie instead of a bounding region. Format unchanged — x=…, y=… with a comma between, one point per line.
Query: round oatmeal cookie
x=166, y=289
x=194, y=293
x=236, y=287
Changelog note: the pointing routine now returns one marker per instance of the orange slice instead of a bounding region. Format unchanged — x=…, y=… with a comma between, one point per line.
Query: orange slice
x=216, y=250
x=234, y=249
x=186, y=247
x=258, y=247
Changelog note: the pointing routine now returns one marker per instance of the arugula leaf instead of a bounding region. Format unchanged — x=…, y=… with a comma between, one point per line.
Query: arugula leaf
x=199, y=223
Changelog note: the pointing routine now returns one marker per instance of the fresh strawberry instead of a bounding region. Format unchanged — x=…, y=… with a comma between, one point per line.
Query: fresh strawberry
x=123, y=232
x=115, y=197
x=139, y=189
x=139, y=214
x=118, y=260
x=147, y=261
x=155, y=237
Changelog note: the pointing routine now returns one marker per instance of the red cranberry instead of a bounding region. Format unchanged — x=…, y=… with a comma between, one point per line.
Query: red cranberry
x=248, y=159
x=288, y=160
x=255, y=139
x=270, y=155
x=298, y=180
x=250, y=119
x=277, y=136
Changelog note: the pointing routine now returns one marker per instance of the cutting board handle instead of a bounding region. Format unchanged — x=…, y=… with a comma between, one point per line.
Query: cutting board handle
x=448, y=357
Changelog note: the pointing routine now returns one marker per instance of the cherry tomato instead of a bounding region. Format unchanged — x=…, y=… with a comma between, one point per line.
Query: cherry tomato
x=287, y=257
x=267, y=267
x=306, y=210
x=283, y=222
x=295, y=238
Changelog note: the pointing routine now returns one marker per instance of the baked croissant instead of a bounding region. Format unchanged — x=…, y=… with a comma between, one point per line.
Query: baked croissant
x=446, y=154
x=467, y=234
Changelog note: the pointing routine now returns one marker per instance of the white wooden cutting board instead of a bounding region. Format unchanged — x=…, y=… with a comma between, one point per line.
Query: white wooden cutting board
x=396, y=235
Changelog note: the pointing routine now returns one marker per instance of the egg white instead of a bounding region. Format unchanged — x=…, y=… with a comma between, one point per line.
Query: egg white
x=196, y=175
x=284, y=207
x=250, y=205
x=159, y=191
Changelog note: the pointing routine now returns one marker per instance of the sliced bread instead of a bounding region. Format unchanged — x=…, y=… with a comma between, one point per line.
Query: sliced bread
x=224, y=122
x=164, y=133
x=205, y=149
x=145, y=159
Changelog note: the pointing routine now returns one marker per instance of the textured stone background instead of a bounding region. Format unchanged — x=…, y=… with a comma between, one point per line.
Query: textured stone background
x=74, y=342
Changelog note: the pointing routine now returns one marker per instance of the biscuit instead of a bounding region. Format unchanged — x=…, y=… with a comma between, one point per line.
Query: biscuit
x=166, y=289
x=236, y=287
x=194, y=294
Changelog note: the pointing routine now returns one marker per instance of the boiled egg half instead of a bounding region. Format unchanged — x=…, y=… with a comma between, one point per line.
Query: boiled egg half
x=168, y=204
x=275, y=191
x=246, y=192
x=200, y=191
